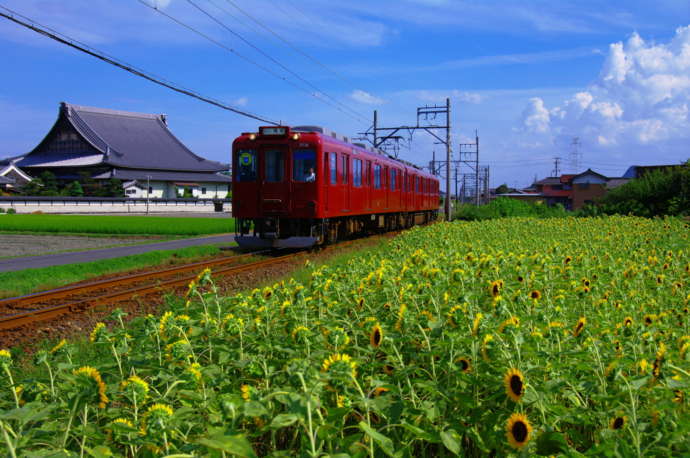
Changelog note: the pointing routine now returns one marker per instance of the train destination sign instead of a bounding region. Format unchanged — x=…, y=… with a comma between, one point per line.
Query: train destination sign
x=273, y=131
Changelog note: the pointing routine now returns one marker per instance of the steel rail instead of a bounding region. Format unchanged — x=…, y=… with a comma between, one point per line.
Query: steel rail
x=58, y=293
x=32, y=316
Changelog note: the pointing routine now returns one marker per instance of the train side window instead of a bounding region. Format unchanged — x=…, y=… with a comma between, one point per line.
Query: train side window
x=416, y=185
x=334, y=168
x=367, y=175
x=344, y=168
x=246, y=165
x=304, y=165
x=357, y=172
x=393, y=173
x=377, y=176
x=273, y=166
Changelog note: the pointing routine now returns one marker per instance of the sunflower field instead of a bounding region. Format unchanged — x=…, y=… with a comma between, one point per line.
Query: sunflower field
x=506, y=337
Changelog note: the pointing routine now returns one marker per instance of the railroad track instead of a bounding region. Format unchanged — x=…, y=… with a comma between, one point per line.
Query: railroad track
x=26, y=316
x=18, y=311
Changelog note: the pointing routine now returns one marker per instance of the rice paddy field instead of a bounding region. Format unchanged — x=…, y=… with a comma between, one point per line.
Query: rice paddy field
x=515, y=336
x=107, y=224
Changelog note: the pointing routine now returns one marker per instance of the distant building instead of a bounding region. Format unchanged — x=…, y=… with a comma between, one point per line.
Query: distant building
x=136, y=148
x=12, y=178
x=638, y=171
x=571, y=191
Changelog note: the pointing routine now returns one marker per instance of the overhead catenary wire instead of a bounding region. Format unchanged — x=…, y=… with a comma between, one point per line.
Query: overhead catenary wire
x=291, y=45
x=243, y=57
x=319, y=91
x=30, y=24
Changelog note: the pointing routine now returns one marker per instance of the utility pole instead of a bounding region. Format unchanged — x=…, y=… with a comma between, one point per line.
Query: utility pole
x=575, y=155
x=469, y=156
x=148, y=191
x=426, y=116
x=556, y=172
x=456, y=184
x=448, y=148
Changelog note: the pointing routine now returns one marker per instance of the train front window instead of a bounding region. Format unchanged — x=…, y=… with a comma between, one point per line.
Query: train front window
x=304, y=165
x=274, y=166
x=246, y=165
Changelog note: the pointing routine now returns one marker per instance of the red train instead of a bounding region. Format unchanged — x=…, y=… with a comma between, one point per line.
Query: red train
x=303, y=186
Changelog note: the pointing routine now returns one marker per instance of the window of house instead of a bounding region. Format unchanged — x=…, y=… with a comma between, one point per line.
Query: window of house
x=246, y=165
x=334, y=168
x=357, y=172
x=304, y=165
x=274, y=166
x=203, y=190
x=150, y=189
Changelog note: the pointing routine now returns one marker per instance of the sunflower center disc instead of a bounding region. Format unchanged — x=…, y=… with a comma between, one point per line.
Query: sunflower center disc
x=519, y=431
x=516, y=385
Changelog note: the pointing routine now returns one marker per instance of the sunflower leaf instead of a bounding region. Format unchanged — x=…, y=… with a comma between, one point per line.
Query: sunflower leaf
x=382, y=441
x=551, y=443
x=451, y=439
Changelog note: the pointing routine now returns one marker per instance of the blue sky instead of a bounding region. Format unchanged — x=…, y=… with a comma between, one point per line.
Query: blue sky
x=529, y=75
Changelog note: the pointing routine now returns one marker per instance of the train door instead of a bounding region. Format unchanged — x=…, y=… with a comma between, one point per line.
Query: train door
x=325, y=183
x=245, y=184
x=274, y=191
x=305, y=178
x=345, y=183
x=367, y=185
x=386, y=188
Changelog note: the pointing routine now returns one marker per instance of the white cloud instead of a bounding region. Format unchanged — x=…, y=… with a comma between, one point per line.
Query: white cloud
x=364, y=97
x=439, y=95
x=638, y=104
x=241, y=102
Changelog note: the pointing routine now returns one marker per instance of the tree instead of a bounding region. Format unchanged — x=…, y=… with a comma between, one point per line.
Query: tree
x=89, y=185
x=33, y=187
x=74, y=189
x=50, y=184
x=503, y=189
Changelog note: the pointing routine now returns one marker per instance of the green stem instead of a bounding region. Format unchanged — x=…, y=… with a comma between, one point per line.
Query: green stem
x=10, y=445
x=83, y=437
x=14, y=392
x=310, y=426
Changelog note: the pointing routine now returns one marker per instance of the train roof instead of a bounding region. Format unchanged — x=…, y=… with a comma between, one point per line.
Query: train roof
x=344, y=139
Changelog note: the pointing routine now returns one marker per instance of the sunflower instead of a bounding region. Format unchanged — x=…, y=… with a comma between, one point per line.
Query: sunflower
x=567, y=260
x=341, y=363
x=91, y=376
x=246, y=392
x=536, y=295
x=518, y=430
x=475, y=324
x=376, y=336
x=618, y=422
x=464, y=364
x=580, y=326
x=495, y=288
x=649, y=319
x=514, y=382
x=378, y=391
x=628, y=321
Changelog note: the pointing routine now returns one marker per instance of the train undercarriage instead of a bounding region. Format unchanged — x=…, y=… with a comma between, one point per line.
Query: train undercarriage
x=278, y=232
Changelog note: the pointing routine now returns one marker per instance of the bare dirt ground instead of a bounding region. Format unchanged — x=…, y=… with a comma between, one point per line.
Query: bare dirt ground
x=13, y=245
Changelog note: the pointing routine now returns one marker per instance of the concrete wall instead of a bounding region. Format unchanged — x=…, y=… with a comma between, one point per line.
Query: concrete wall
x=110, y=206
x=168, y=190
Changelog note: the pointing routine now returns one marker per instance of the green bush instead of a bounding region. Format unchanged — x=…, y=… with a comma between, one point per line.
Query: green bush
x=11, y=211
x=503, y=207
x=2, y=210
x=660, y=192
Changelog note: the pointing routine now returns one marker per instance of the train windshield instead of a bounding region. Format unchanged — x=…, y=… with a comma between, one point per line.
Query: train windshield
x=246, y=165
x=304, y=165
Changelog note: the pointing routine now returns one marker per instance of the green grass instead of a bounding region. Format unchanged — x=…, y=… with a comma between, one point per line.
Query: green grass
x=33, y=280
x=132, y=225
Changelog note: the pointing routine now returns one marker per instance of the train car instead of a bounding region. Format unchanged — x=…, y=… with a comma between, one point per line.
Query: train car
x=295, y=187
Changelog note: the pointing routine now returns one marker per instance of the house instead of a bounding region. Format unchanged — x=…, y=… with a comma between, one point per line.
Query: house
x=136, y=148
x=571, y=191
x=637, y=171
x=12, y=178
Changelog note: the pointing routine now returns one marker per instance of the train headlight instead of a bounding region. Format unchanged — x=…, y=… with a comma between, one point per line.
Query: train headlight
x=295, y=136
x=252, y=136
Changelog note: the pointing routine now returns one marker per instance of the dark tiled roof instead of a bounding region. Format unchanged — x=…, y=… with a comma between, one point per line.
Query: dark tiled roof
x=6, y=180
x=158, y=175
x=125, y=139
x=549, y=181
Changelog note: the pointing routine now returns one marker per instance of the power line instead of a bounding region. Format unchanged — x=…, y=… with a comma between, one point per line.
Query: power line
x=245, y=58
x=72, y=43
x=292, y=46
x=268, y=56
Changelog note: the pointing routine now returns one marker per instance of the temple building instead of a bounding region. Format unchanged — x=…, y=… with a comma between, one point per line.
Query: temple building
x=136, y=148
